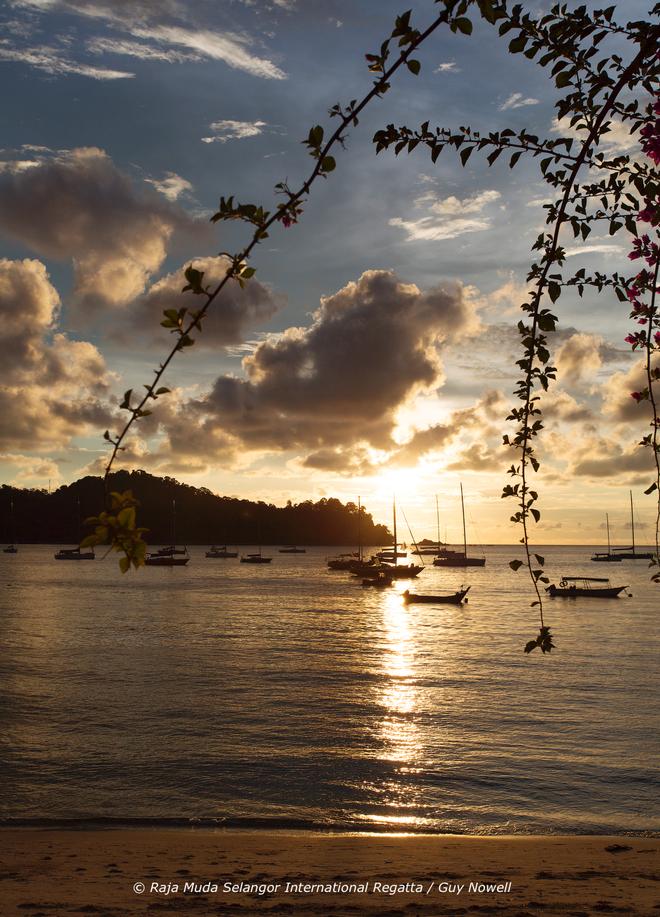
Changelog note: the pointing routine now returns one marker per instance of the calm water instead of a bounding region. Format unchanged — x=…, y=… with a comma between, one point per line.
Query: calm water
x=289, y=695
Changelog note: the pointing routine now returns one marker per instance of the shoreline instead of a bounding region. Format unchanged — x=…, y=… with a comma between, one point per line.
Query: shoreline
x=201, y=870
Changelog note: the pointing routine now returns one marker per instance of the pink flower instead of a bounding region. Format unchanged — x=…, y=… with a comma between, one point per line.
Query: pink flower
x=631, y=339
x=637, y=396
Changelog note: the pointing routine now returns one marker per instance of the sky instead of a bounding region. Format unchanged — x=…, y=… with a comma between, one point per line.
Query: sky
x=373, y=353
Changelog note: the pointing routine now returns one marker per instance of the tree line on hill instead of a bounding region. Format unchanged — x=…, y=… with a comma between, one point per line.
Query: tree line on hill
x=200, y=517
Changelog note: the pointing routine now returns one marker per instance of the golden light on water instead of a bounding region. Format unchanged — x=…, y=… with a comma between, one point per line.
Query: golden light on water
x=399, y=729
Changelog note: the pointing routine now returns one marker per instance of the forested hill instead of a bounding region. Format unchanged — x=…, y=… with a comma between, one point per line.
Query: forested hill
x=201, y=516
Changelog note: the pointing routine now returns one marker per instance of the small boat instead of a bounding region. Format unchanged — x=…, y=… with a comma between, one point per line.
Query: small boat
x=571, y=587
x=222, y=552
x=292, y=549
x=255, y=559
x=454, y=598
x=342, y=561
x=381, y=580
x=74, y=554
x=390, y=555
x=449, y=558
x=607, y=557
x=165, y=560
x=11, y=548
x=403, y=571
x=170, y=555
x=169, y=551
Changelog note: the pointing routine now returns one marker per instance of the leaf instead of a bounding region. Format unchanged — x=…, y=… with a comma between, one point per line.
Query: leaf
x=414, y=66
x=465, y=154
x=515, y=564
x=649, y=490
x=554, y=291
x=328, y=164
x=124, y=564
x=463, y=25
x=126, y=403
x=540, y=559
x=163, y=391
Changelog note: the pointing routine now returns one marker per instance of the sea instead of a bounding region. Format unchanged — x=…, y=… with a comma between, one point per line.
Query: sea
x=287, y=696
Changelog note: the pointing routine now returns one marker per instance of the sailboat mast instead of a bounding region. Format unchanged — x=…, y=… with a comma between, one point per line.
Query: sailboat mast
x=632, y=522
x=464, y=532
x=437, y=522
x=607, y=523
x=395, y=539
x=359, y=528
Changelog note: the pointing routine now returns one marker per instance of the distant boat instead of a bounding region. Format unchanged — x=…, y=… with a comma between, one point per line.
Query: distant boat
x=454, y=598
x=292, y=549
x=571, y=587
x=11, y=548
x=74, y=554
x=631, y=553
x=607, y=558
x=255, y=559
x=389, y=555
x=165, y=560
x=346, y=561
x=169, y=556
x=380, y=580
x=222, y=552
x=395, y=569
x=449, y=558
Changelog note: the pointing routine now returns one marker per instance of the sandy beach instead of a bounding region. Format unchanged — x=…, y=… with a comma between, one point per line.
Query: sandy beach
x=137, y=871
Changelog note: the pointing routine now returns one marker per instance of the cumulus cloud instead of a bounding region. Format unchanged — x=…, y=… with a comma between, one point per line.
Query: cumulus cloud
x=234, y=312
x=233, y=130
x=339, y=382
x=172, y=186
x=447, y=217
x=517, y=100
x=447, y=67
x=579, y=357
x=617, y=402
x=52, y=388
x=114, y=232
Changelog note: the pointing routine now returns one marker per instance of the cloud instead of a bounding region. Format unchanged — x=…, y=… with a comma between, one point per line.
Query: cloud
x=517, y=100
x=234, y=130
x=447, y=67
x=579, y=356
x=233, y=50
x=557, y=404
x=618, y=138
x=163, y=26
x=89, y=211
x=491, y=406
x=338, y=383
x=605, y=248
x=30, y=468
x=172, y=186
x=50, y=60
x=617, y=402
x=129, y=48
x=52, y=388
x=232, y=314
x=448, y=217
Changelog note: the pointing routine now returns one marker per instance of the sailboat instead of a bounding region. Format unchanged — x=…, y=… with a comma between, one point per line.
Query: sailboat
x=345, y=561
x=447, y=558
x=169, y=556
x=631, y=553
x=75, y=553
x=394, y=568
x=427, y=548
x=11, y=548
x=293, y=549
x=609, y=557
x=223, y=552
x=257, y=557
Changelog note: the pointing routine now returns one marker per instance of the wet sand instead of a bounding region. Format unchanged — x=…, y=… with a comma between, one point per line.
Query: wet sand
x=45, y=872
